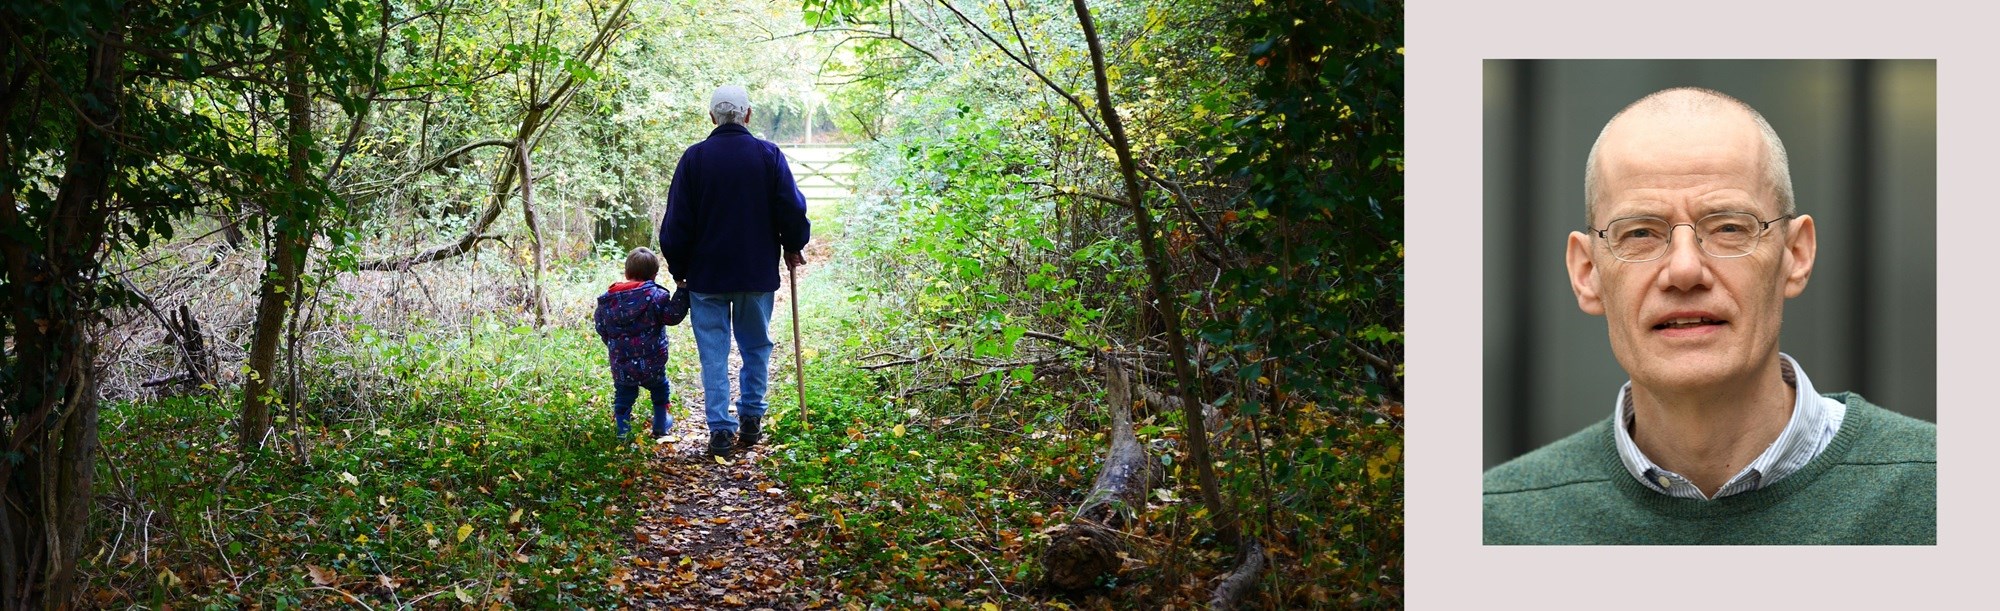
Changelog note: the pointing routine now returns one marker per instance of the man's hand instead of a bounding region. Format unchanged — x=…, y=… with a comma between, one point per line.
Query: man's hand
x=680, y=284
x=794, y=259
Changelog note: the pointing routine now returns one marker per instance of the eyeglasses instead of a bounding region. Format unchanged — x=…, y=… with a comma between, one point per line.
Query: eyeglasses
x=1723, y=235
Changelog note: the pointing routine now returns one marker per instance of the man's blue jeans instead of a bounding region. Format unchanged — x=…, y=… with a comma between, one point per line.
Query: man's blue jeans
x=622, y=397
x=714, y=316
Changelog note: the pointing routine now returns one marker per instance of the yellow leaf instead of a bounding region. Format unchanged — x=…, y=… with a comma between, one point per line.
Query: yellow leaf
x=1378, y=468
x=988, y=607
x=350, y=478
x=899, y=430
x=464, y=530
x=363, y=539
x=430, y=529
x=841, y=521
x=721, y=461
x=516, y=518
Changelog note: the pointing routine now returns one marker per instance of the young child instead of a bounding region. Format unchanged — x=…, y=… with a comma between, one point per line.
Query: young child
x=632, y=318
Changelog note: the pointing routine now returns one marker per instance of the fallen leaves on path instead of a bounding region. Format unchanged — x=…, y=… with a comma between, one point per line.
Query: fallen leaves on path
x=715, y=535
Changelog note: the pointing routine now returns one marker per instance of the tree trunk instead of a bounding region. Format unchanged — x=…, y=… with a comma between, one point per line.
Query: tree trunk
x=1084, y=552
x=1156, y=272
x=1240, y=581
x=50, y=411
x=290, y=226
x=534, y=230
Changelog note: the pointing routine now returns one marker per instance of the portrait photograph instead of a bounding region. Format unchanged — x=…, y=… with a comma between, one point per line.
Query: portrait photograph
x=1709, y=302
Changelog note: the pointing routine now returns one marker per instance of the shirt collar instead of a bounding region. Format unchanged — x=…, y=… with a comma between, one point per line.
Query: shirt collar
x=1815, y=420
x=729, y=128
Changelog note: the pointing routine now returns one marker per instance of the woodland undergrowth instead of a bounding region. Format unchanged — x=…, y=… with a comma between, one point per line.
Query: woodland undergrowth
x=440, y=459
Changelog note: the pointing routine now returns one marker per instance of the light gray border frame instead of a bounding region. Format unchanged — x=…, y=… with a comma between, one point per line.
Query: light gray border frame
x=1447, y=568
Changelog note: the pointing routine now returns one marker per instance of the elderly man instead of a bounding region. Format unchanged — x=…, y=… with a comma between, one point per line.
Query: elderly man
x=731, y=208
x=1718, y=438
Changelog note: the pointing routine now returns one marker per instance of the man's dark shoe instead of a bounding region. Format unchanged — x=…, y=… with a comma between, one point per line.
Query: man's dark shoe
x=719, y=443
x=752, y=431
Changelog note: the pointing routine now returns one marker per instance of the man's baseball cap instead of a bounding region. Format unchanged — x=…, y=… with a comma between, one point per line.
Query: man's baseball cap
x=729, y=94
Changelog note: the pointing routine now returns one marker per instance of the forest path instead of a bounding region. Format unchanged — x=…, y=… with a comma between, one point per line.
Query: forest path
x=718, y=534
x=714, y=534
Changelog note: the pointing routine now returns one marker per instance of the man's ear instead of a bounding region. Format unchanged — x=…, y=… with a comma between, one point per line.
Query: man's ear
x=1583, y=274
x=1801, y=247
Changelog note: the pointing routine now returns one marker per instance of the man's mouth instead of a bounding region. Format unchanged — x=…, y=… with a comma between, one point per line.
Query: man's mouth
x=1688, y=322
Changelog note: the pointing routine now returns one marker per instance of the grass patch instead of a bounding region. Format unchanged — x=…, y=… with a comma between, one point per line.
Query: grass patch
x=916, y=509
x=486, y=472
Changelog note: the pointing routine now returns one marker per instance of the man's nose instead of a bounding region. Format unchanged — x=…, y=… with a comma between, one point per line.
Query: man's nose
x=1687, y=267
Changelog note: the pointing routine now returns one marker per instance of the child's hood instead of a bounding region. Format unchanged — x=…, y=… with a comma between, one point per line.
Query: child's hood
x=627, y=285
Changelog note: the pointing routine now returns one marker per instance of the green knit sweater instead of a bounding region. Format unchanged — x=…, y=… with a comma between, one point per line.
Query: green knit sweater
x=1875, y=484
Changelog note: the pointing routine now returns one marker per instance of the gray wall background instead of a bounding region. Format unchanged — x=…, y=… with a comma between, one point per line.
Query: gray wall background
x=1862, y=138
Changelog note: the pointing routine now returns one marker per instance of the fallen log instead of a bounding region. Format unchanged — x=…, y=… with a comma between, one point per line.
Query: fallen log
x=1239, y=583
x=1161, y=402
x=1086, y=551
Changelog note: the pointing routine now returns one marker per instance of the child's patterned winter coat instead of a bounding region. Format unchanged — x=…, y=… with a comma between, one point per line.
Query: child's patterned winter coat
x=631, y=319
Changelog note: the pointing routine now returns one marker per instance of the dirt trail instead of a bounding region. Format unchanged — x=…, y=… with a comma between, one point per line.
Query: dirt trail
x=719, y=534
x=715, y=535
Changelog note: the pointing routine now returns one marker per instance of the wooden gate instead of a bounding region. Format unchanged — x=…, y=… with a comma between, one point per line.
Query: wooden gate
x=825, y=172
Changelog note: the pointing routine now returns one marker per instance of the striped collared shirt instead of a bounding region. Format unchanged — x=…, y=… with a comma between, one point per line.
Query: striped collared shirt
x=1814, y=421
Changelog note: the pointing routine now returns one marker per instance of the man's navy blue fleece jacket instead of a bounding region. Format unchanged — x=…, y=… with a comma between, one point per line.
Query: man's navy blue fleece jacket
x=732, y=205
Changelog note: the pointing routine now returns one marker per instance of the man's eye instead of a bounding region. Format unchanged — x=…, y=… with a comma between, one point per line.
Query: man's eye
x=1729, y=228
x=1641, y=233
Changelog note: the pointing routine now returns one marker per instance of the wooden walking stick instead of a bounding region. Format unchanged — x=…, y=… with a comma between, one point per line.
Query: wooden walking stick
x=798, y=349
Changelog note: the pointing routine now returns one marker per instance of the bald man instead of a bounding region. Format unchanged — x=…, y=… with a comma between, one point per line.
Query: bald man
x=1691, y=246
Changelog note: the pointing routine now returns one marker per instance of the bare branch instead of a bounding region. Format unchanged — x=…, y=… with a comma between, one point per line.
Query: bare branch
x=1187, y=205
x=1030, y=66
x=1062, y=190
x=533, y=124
